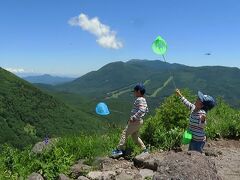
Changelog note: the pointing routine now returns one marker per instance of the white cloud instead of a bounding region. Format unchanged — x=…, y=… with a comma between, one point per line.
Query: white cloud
x=15, y=70
x=105, y=36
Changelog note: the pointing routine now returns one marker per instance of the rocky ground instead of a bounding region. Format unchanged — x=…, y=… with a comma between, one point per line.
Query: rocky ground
x=221, y=160
x=228, y=158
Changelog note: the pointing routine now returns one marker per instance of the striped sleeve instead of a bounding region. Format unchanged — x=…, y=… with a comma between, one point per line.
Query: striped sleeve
x=187, y=103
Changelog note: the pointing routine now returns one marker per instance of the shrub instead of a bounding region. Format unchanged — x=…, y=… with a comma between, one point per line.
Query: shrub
x=164, y=129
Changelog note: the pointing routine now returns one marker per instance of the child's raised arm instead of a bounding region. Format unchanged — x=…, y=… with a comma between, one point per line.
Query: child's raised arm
x=188, y=104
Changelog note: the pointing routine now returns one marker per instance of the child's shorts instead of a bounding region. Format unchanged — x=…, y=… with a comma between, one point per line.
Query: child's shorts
x=196, y=146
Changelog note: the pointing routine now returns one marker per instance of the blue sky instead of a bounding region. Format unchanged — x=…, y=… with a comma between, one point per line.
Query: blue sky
x=73, y=37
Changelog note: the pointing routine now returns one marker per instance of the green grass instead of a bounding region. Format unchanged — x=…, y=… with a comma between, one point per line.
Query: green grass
x=19, y=164
x=16, y=163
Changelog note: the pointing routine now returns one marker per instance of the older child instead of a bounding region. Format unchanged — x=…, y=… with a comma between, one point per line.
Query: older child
x=139, y=110
x=199, y=110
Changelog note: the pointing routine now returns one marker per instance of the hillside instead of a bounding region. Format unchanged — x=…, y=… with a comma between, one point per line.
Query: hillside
x=28, y=114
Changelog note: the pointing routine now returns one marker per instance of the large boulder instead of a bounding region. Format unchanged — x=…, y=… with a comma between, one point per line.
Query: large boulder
x=186, y=165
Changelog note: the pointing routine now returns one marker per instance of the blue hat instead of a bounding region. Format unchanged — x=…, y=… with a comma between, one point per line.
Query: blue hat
x=208, y=101
x=140, y=87
x=102, y=109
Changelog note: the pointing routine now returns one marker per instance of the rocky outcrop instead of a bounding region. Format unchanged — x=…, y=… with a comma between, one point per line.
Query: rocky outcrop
x=35, y=176
x=186, y=165
x=159, y=165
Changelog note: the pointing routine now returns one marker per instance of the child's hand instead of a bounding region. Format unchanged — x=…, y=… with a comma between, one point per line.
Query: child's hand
x=178, y=93
x=203, y=118
x=132, y=119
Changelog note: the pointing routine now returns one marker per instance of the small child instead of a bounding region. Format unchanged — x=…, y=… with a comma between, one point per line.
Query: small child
x=199, y=109
x=135, y=121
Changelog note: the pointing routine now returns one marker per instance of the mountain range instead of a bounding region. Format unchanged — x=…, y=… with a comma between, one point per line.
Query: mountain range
x=48, y=79
x=29, y=112
x=116, y=80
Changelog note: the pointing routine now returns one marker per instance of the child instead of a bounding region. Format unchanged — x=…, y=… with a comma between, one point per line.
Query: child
x=203, y=104
x=135, y=121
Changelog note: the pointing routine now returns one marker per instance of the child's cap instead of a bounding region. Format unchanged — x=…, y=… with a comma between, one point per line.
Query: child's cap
x=208, y=101
x=140, y=87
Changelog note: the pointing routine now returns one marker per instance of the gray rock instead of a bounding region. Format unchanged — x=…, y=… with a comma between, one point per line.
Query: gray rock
x=63, y=177
x=102, y=175
x=35, y=176
x=39, y=147
x=139, y=159
x=148, y=161
x=99, y=161
x=211, y=152
x=82, y=178
x=108, y=175
x=80, y=169
x=146, y=173
x=110, y=164
x=128, y=175
x=151, y=164
x=95, y=175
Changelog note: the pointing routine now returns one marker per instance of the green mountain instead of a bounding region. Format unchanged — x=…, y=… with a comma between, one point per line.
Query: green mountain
x=114, y=76
x=115, y=80
x=27, y=114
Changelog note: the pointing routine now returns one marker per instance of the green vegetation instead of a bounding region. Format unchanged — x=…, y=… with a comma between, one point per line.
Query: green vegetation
x=223, y=121
x=28, y=115
x=17, y=164
x=162, y=130
x=154, y=94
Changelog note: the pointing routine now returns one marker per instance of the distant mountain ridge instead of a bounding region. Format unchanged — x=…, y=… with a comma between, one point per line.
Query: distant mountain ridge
x=48, y=79
x=214, y=80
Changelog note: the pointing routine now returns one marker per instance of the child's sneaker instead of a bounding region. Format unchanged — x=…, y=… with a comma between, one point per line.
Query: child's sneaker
x=117, y=153
x=145, y=151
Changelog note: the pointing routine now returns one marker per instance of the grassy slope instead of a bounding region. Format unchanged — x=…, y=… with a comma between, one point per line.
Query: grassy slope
x=27, y=114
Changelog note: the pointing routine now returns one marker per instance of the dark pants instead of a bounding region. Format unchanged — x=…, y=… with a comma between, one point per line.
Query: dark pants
x=196, y=146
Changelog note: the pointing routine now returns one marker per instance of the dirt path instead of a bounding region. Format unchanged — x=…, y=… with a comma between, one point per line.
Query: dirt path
x=227, y=163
